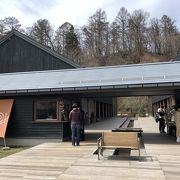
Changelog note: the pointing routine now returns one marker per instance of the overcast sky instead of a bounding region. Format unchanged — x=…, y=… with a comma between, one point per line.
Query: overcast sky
x=77, y=12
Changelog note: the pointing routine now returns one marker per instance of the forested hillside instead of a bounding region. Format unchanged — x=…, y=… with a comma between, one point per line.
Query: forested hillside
x=131, y=38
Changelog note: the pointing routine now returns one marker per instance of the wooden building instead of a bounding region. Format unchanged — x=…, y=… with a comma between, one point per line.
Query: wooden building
x=20, y=53
x=40, y=112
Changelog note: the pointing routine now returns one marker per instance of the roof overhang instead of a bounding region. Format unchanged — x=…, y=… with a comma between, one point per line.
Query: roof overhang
x=133, y=79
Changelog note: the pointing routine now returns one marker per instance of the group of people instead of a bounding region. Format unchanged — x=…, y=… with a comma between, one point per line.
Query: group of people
x=175, y=116
x=76, y=117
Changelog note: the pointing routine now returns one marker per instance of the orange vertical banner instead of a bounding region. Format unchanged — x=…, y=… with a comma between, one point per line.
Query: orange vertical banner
x=5, y=110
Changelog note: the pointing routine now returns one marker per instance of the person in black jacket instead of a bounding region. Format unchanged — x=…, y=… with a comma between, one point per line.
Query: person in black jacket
x=161, y=114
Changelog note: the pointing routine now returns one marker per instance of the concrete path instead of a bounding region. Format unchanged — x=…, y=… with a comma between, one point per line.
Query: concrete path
x=58, y=161
x=162, y=147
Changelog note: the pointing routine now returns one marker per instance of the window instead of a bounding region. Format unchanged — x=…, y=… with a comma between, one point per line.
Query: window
x=46, y=110
x=51, y=110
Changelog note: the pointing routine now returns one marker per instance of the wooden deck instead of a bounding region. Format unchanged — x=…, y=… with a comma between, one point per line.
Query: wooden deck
x=61, y=161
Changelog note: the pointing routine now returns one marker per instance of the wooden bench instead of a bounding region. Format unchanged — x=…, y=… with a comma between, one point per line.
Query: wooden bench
x=129, y=129
x=115, y=140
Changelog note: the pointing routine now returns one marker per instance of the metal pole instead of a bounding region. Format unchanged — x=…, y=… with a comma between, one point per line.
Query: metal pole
x=4, y=142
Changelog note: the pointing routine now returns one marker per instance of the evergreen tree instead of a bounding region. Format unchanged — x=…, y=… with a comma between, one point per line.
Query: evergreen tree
x=72, y=48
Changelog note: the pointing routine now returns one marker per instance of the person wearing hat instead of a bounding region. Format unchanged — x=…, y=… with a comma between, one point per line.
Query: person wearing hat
x=75, y=118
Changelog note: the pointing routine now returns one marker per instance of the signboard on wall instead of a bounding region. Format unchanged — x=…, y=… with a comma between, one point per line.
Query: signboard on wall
x=5, y=111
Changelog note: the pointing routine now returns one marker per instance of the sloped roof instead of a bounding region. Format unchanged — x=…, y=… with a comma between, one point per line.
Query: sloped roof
x=38, y=45
x=110, y=77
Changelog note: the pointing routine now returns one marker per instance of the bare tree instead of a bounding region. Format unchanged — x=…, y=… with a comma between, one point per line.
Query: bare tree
x=8, y=24
x=96, y=36
x=114, y=38
x=155, y=36
x=59, y=39
x=138, y=30
x=169, y=31
x=42, y=32
x=121, y=21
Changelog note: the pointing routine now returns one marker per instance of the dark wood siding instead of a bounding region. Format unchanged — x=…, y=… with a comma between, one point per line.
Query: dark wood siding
x=17, y=55
x=21, y=122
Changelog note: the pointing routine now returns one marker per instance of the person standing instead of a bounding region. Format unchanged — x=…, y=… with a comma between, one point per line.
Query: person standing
x=161, y=114
x=82, y=135
x=177, y=121
x=75, y=118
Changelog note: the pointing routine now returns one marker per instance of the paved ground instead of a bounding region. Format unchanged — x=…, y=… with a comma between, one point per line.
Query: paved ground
x=163, y=147
x=160, y=158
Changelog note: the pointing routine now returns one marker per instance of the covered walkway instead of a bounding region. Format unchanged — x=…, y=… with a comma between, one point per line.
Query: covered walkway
x=160, y=159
